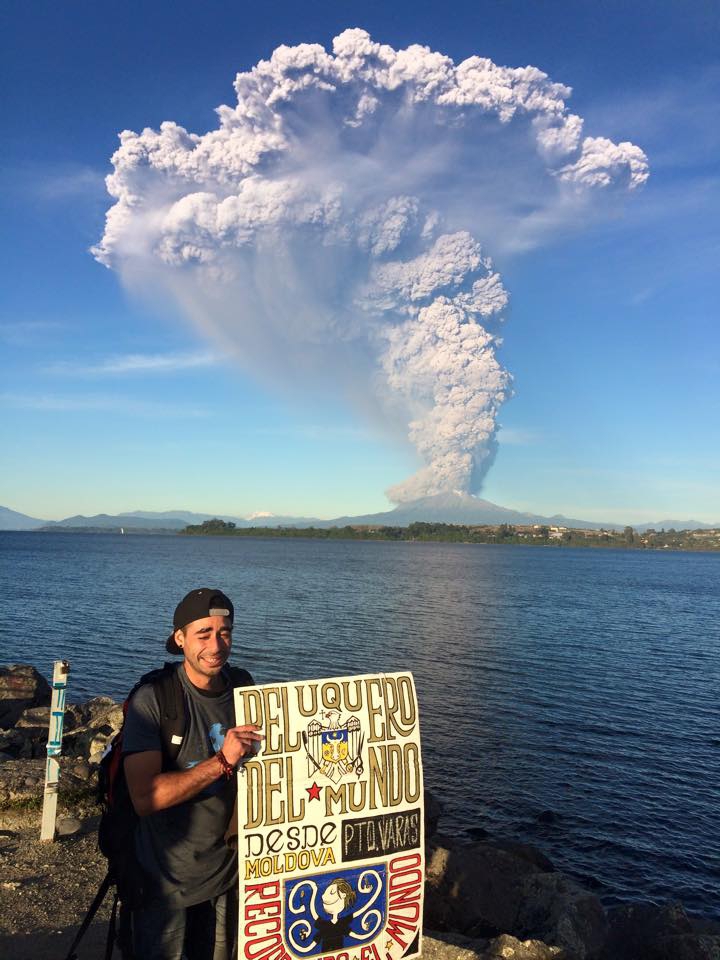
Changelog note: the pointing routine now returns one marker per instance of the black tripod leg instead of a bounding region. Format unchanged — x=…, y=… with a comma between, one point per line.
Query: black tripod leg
x=94, y=907
x=110, y=943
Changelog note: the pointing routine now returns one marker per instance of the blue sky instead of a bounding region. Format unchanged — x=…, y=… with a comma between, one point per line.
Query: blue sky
x=113, y=403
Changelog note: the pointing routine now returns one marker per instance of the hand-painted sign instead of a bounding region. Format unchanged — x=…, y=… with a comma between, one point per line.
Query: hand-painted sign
x=330, y=816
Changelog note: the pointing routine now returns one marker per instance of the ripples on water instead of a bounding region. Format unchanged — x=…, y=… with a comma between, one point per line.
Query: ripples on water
x=579, y=681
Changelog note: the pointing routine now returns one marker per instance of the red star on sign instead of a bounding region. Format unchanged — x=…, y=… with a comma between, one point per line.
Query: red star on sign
x=313, y=791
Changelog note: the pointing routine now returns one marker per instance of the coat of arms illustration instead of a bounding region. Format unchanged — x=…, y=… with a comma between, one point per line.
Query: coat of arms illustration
x=334, y=747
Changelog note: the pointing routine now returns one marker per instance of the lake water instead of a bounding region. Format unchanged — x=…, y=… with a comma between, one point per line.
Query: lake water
x=583, y=682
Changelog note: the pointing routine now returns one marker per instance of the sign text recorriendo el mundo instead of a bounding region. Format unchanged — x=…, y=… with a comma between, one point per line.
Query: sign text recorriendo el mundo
x=330, y=816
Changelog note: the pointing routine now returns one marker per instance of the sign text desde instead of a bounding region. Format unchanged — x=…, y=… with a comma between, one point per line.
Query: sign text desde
x=331, y=820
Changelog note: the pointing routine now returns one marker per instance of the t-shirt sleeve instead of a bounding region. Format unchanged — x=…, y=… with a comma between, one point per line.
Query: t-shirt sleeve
x=142, y=723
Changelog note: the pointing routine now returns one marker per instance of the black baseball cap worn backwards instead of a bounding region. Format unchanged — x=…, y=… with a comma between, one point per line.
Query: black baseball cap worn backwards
x=197, y=605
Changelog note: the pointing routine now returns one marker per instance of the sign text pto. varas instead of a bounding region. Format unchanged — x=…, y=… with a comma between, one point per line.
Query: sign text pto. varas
x=330, y=813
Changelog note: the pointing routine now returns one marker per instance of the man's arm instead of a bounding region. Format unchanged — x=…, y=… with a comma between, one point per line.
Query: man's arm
x=152, y=790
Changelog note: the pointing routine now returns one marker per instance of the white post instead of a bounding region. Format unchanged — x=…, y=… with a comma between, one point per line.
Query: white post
x=54, y=745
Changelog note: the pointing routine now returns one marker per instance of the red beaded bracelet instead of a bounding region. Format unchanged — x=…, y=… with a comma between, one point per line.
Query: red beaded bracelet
x=223, y=761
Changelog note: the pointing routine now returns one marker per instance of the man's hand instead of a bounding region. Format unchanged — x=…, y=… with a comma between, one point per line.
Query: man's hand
x=240, y=742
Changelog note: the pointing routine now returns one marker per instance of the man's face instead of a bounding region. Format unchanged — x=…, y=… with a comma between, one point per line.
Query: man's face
x=206, y=646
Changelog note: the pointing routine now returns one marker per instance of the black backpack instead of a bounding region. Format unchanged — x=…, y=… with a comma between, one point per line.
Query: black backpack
x=116, y=831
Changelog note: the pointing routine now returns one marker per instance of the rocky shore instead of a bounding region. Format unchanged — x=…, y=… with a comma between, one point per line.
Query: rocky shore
x=484, y=900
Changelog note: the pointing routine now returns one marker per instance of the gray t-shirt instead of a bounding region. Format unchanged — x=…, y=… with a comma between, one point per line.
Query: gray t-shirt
x=183, y=848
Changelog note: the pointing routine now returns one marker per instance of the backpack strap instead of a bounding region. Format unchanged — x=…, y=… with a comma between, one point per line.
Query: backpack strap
x=171, y=700
x=239, y=677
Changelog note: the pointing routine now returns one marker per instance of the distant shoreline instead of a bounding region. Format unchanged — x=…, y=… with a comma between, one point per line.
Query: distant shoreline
x=536, y=535
x=686, y=541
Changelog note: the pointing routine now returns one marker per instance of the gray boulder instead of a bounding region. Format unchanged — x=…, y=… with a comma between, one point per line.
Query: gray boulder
x=92, y=726
x=471, y=888
x=34, y=718
x=485, y=890
x=88, y=727
x=11, y=742
x=23, y=780
x=32, y=726
x=557, y=909
x=448, y=946
x=21, y=686
x=689, y=947
x=510, y=948
x=433, y=812
x=67, y=826
x=648, y=931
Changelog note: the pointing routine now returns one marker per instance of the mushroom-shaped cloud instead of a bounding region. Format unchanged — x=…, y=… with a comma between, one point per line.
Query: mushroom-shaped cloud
x=328, y=231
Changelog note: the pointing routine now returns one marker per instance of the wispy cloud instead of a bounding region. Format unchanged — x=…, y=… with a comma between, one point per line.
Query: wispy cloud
x=518, y=437
x=48, y=182
x=132, y=363
x=99, y=403
x=20, y=333
x=73, y=182
x=313, y=431
x=642, y=296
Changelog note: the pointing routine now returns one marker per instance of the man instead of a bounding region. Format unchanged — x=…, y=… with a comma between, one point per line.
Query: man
x=184, y=811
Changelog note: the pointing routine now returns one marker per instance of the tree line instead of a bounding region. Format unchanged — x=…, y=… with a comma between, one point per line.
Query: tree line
x=460, y=533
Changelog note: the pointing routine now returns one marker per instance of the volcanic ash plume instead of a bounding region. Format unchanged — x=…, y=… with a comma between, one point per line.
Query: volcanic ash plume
x=328, y=231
